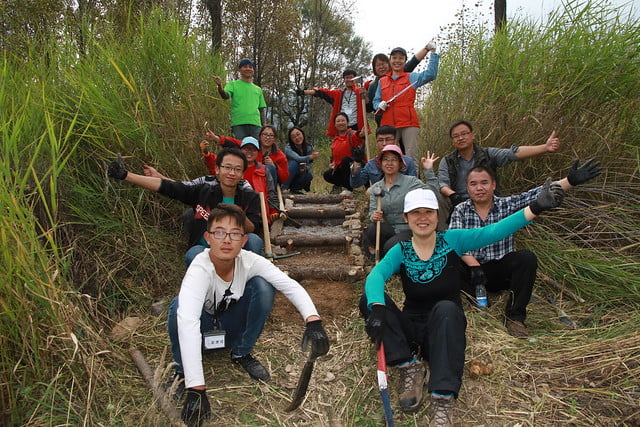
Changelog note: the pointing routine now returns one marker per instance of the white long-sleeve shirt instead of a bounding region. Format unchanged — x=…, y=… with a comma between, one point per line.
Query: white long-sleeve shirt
x=201, y=286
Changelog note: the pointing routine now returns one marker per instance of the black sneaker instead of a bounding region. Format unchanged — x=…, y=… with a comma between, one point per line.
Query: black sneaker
x=252, y=366
x=176, y=383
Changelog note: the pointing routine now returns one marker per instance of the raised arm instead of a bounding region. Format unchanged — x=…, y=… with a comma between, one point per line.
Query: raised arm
x=223, y=94
x=551, y=146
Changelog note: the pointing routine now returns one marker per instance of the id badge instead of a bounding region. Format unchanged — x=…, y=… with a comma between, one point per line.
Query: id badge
x=213, y=339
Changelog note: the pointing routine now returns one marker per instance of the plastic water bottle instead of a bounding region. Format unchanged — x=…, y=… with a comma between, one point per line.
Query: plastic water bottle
x=481, y=295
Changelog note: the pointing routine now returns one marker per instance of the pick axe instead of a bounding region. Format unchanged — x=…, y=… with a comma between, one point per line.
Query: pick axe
x=378, y=193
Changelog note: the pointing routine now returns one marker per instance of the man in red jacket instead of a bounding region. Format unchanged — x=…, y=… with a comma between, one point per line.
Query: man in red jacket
x=347, y=100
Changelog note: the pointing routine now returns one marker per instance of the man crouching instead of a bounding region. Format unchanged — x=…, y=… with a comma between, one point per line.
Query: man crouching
x=224, y=301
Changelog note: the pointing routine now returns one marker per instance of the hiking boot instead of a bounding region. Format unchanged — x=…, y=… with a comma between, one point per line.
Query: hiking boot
x=252, y=366
x=175, y=384
x=411, y=384
x=441, y=411
x=517, y=329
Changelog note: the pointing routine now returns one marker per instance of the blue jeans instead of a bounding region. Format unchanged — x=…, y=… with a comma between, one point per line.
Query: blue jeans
x=297, y=180
x=274, y=173
x=254, y=244
x=242, y=322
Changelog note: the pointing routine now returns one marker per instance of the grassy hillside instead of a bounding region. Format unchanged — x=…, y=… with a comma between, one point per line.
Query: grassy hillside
x=82, y=251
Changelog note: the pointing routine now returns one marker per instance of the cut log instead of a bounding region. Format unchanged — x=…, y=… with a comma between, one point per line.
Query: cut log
x=164, y=401
x=338, y=272
x=297, y=240
x=318, y=212
x=316, y=198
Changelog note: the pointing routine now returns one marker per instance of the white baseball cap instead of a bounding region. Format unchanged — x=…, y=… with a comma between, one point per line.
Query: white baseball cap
x=420, y=198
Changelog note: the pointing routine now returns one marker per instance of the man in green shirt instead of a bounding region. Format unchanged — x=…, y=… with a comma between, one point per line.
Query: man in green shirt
x=247, y=101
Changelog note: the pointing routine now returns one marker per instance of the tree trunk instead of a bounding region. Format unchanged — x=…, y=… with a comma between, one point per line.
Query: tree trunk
x=346, y=272
x=298, y=240
x=215, y=12
x=319, y=212
x=500, y=8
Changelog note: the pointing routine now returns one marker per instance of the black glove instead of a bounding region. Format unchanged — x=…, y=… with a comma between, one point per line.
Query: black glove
x=116, y=169
x=580, y=175
x=549, y=197
x=477, y=276
x=376, y=323
x=456, y=199
x=299, y=92
x=314, y=332
x=196, y=407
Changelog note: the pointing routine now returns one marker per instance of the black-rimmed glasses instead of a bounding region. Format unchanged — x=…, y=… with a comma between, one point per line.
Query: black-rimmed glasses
x=221, y=235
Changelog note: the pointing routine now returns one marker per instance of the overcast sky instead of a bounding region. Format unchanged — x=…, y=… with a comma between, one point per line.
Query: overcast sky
x=412, y=23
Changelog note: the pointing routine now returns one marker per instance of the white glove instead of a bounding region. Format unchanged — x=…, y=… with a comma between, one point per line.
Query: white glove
x=383, y=105
x=431, y=46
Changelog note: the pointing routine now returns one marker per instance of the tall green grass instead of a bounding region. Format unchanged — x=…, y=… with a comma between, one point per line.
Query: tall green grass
x=578, y=73
x=80, y=250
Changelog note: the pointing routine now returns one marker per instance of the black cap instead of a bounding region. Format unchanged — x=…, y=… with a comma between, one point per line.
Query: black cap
x=398, y=50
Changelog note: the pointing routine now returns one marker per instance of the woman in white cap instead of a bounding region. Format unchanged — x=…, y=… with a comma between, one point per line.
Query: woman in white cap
x=392, y=188
x=431, y=324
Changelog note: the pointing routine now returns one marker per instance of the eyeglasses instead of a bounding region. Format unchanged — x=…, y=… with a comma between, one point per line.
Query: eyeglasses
x=390, y=159
x=268, y=135
x=387, y=139
x=460, y=135
x=221, y=235
x=231, y=168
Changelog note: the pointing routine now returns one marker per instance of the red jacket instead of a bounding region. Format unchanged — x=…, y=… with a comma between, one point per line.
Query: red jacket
x=334, y=97
x=278, y=157
x=257, y=177
x=342, y=144
x=280, y=160
x=400, y=113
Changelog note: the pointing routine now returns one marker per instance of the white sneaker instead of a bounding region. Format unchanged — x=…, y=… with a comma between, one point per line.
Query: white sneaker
x=346, y=193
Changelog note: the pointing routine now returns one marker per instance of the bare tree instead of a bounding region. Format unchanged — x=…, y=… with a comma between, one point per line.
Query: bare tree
x=500, y=8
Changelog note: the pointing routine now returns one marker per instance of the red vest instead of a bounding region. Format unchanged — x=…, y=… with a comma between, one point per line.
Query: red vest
x=400, y=113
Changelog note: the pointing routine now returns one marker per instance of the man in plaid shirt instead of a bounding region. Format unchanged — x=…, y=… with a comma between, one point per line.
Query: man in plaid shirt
x=500, y=266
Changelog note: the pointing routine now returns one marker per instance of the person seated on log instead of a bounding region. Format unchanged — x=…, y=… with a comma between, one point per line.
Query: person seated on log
x=271, y=156
x=371, y=172
x=346, y=147
x=224, y=301
x=204, y=194
x=380, y=65
x=499, y=266
x=431, y=324
x=300, y=155
x=455, y=166
x=256, y=172
x=392, y=189
x=347, y=100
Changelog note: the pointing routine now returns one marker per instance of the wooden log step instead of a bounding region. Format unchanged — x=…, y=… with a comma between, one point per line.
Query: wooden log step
x=294, y=240
x=316, y=198
x=339, y=272
x=319, y=212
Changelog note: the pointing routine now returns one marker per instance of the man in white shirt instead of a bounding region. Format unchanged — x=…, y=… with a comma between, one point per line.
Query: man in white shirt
x=225, y=299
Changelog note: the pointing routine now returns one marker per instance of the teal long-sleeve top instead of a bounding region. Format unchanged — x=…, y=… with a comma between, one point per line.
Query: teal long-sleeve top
x=426, y=282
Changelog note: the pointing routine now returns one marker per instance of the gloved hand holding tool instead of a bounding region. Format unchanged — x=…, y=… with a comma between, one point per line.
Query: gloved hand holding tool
x=315, y=335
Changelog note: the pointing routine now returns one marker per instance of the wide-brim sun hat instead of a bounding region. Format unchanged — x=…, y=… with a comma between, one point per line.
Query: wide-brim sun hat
x=420, y=198
x=395, y=149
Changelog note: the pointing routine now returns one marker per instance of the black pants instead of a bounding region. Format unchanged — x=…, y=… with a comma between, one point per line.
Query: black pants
x=515, y=272
x=340, y=176
x=437, y=334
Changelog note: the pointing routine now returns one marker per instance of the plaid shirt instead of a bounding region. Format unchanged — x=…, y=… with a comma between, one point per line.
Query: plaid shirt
x=465, y=216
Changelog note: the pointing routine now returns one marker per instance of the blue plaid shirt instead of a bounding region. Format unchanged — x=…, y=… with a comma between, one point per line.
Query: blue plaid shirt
x=465, y=216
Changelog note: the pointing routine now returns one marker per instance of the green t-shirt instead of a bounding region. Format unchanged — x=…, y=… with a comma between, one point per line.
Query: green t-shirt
x=246, y=99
